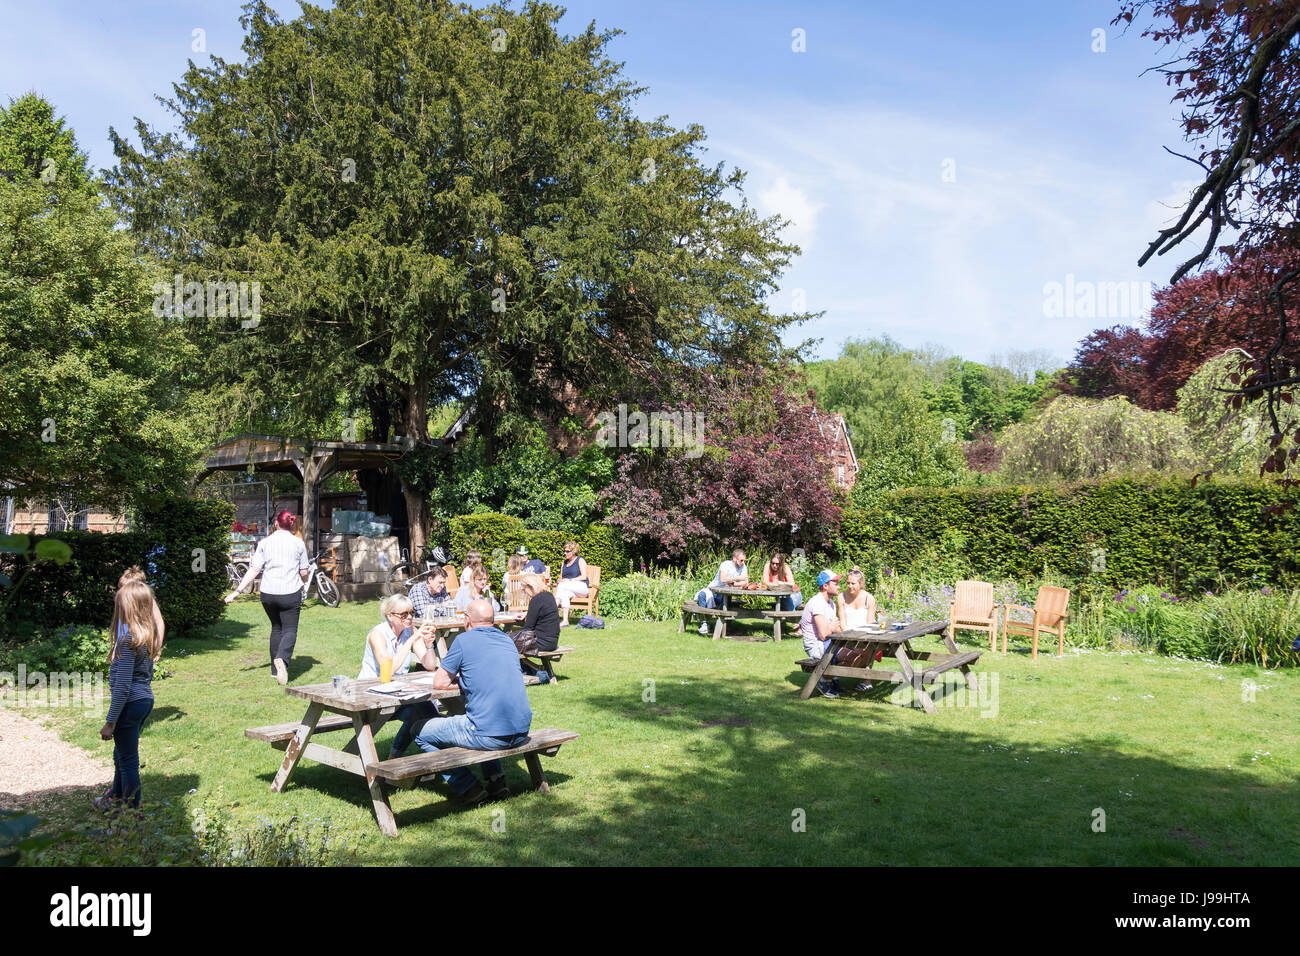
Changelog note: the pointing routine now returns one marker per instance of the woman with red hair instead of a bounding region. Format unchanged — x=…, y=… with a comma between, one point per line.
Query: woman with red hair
x=281, y=559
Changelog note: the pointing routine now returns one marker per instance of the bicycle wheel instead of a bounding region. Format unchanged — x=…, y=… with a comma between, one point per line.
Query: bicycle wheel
x=401, y=578
x=327, y=590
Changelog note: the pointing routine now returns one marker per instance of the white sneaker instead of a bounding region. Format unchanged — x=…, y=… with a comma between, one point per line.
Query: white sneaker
x=281, y=675
x=704, y=627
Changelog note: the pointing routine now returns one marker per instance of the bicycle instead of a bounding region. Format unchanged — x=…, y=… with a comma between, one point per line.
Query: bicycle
x=407, y=573
x=326, y=589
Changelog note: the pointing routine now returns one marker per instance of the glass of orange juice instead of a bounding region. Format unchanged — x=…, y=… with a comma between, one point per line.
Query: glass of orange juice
x=385, y=669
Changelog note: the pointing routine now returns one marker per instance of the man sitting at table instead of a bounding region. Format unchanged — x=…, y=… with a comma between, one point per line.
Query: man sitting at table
x=430, y=596
x=484, y=664
x=531, y=565
x=729, y=572
x=820, y=620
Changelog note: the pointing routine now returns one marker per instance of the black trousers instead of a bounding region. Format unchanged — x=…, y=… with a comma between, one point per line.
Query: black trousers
x=283, y=610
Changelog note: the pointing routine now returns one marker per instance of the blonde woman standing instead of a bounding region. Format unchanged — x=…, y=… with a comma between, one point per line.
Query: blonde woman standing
x=136, y=644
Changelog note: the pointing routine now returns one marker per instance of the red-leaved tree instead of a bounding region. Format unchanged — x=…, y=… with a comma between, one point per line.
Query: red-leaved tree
x=1237, y=74
x=763, y=472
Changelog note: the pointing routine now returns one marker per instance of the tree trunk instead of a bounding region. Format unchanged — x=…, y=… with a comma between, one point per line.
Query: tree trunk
x=415, y=425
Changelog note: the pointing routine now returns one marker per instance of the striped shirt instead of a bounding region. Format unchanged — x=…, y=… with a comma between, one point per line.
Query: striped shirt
x=130, y=675
x=280, y=556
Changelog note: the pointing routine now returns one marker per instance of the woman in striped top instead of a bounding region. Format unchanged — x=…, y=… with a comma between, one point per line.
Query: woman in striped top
x=137, y=642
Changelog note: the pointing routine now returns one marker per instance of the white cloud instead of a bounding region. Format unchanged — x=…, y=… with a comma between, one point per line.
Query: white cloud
x=791, y=203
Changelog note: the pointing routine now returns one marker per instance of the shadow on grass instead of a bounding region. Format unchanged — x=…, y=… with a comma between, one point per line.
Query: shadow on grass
x=758, y=778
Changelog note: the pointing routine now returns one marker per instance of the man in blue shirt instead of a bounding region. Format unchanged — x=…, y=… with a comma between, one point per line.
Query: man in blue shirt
x=484, y=663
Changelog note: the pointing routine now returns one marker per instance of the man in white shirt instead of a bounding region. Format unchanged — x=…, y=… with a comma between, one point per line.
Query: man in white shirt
x=729, y=572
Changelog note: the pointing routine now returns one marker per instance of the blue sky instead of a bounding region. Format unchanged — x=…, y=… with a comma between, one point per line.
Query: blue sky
x=1052, y=152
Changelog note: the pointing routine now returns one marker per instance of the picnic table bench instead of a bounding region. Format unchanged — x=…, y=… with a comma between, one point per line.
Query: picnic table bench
x=898, y=644
x=718, y=614
x=357, y=709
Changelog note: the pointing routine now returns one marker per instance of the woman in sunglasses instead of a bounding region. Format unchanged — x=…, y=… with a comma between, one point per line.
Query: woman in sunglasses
x=394, y=637
x=573, y=580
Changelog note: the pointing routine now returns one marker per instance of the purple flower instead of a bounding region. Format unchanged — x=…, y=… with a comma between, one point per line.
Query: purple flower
x=1266, y=591
x=1132, y=610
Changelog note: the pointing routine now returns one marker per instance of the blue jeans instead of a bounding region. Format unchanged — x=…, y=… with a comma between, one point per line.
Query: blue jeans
x=411, y=716
x=792, y=601
x=706, y=599
x=126, y=751
x=456, y=732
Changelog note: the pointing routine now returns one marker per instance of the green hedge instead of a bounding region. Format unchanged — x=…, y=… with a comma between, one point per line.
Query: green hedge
x=1106, y=535
x=601, y=545
x=163, y=544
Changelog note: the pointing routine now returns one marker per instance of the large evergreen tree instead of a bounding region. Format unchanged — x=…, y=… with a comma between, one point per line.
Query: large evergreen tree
x=441, y=202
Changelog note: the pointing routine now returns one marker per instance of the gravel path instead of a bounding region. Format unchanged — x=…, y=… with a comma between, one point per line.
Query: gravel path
x=36, y=764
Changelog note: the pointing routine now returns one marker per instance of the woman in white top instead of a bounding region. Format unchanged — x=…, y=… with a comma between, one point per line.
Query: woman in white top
x=281, y=559
x=393, y=637
x=857, y=607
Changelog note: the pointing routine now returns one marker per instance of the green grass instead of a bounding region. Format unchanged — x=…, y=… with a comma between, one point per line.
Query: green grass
x=715, y=768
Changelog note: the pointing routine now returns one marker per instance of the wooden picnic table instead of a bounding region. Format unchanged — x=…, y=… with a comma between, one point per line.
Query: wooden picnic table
x=774, y=591
x=357, y=709
x=368, y=712
x=898, y=644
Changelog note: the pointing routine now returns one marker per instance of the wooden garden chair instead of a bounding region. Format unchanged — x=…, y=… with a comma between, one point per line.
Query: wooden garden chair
x=453, y=579
x=590, y=603
x=972, y=609
x=516, y=596
x=1049, y=615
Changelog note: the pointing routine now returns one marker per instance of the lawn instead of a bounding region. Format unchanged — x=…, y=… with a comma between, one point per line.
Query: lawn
x=693, y=751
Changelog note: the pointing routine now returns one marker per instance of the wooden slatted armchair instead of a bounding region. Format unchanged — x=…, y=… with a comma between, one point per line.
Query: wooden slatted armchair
x=590, y=603
x=516, y=596
x=972, y=609
x=453, y=579
x=1049, y=615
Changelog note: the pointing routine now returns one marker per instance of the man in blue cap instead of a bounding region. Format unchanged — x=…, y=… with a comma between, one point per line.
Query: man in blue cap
x=819, y=622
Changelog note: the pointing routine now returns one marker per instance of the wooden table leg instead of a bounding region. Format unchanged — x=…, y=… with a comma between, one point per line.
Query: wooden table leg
x=378, y=795
x=293, y=752
x=681, y=628
x=913, y=678
x=816, y=675
x=971, y=683
x=720, y=629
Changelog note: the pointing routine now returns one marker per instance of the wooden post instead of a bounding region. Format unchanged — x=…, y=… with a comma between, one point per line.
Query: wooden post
x=313, y=468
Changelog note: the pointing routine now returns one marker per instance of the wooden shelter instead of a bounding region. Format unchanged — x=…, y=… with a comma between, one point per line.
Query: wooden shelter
x=310, y=460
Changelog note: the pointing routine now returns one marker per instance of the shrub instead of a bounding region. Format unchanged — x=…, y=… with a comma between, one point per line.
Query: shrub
x=485, y=532
x=603, y=547
x=168, y=836
x=1096, y=537
x=1252, y=627
x=488, y=532
x=641, y=597
x=183, y=529
x=72, y=649
x=164, y=544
